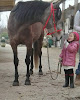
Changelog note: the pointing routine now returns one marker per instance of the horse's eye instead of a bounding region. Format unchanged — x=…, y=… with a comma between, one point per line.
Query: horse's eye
x=58, y=14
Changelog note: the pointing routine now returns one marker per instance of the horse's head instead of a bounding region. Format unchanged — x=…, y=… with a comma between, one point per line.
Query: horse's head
x=52, y=13
x=59, y=34
x=52, y=16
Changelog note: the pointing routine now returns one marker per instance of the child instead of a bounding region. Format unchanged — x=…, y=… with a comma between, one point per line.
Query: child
x=68, y=57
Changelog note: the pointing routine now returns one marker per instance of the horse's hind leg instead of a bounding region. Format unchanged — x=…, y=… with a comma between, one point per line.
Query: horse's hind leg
x=27, y=61
x=40, y=54
x=40, y=66
x=16, y=61
x=31, y=70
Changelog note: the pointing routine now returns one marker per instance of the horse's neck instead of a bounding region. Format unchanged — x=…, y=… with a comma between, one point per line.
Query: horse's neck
x=46, y=15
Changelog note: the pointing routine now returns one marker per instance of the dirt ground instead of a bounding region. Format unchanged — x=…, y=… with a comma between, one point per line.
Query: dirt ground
x=42, y=87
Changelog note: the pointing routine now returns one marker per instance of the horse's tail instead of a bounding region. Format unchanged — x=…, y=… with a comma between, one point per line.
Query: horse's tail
x=36, y=54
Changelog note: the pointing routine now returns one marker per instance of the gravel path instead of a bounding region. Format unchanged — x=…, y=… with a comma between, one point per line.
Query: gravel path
x=42, y=87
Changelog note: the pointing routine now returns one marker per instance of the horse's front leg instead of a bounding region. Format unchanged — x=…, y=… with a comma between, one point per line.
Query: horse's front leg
x=40, y=66
x=31, y=70
x=27, y=61
x=16, y=61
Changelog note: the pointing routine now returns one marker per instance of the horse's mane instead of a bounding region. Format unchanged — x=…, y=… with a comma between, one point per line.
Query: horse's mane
x=29, y=11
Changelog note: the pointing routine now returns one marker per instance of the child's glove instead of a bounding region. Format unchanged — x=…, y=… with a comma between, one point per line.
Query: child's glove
x=60, y=59
x=66, y=43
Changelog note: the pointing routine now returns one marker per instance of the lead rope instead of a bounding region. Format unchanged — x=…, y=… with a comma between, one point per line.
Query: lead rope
x=49, y=64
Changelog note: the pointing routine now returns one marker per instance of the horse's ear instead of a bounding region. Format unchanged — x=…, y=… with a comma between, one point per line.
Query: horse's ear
x=58, y=2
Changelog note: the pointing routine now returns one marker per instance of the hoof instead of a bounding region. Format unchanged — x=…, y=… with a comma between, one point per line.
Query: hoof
x=31, y=72
x=16, y=83
x=41, y=73
x=27, y=82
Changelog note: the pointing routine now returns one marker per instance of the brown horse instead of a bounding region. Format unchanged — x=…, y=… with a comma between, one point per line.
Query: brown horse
x=25, y=26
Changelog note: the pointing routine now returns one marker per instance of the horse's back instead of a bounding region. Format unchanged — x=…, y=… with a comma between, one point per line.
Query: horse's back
x=29, y=12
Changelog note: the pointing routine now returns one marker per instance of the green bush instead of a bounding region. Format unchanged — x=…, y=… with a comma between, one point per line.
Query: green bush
x=4, y=35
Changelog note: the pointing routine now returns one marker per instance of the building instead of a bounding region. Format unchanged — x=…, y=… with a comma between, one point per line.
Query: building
x=6, y=5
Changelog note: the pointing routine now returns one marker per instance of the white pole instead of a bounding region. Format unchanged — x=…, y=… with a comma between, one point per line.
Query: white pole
x=76, y=6
x=63, y=14
x=0, y=16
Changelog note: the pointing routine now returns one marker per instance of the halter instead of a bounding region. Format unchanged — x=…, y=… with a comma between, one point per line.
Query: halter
x=52, y=12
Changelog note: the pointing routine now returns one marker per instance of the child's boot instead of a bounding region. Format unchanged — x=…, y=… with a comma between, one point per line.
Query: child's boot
x=71, y=80
x=66, y=80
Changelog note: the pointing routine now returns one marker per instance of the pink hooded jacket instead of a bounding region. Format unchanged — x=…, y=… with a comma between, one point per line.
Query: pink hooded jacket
x=68, y=54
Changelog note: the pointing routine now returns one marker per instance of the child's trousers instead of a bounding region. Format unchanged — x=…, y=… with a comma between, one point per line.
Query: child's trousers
x=69, y=74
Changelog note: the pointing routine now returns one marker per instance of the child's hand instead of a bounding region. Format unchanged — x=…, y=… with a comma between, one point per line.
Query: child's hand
x=60, y=59
x=66, y=43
